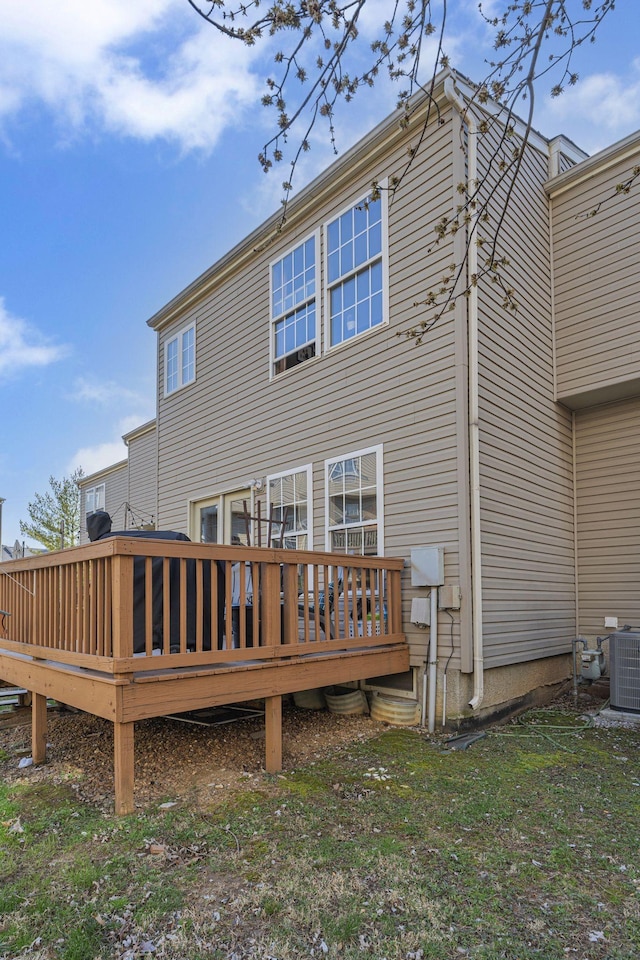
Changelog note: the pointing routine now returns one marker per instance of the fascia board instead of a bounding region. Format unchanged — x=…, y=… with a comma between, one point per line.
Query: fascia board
x=616, y=153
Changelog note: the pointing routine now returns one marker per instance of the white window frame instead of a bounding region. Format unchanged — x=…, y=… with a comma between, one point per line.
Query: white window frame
x=94, y=492
x=316, y=298
x=308, y=469
x=378, y=449
x=177, y=338
x=383, y=257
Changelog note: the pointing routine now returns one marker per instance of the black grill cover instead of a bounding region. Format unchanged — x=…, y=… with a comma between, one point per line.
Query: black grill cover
x=99, y=528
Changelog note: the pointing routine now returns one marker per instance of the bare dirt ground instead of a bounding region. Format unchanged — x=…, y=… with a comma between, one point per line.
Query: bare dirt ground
x=173, y=760
x=176, y=761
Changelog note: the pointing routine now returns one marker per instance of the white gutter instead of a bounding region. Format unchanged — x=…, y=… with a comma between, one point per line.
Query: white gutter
x=474, y=428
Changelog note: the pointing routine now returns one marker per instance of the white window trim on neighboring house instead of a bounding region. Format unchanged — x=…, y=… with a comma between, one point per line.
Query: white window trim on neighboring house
x=306, y=469
x=342, y=279
x=185, y=372
x=279, y=315
x=94, y=498
x=379, y=521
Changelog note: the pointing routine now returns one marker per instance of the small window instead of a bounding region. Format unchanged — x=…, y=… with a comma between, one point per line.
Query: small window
x=290, y=496
x=293, y=307
x=354, y=503
x=180, y=360
x=94, y=498
x=355, y=271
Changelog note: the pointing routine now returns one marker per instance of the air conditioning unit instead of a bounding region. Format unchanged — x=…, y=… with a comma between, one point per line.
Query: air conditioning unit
x=624, y=670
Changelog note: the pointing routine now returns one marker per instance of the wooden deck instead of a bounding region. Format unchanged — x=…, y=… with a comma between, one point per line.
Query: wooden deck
x=128, y=629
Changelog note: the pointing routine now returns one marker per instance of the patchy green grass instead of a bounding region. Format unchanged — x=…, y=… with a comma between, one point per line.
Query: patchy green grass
x=523, y=846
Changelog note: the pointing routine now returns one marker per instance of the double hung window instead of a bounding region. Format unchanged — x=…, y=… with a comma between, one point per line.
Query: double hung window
x=293, y=307
x=94, y=498
x=290, y=497
x=354, y=503
x=180, y=359
x=354, y=252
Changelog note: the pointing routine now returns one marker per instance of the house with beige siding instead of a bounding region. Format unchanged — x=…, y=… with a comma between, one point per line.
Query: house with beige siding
x=127, y=489
x=498, y=458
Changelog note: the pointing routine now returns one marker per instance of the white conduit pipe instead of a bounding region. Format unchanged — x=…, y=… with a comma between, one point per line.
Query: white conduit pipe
x=474, y=441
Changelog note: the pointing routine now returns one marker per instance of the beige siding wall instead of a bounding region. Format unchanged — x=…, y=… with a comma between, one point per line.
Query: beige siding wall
x=608, y=504
x=597, y=287
x=234, y=424
x=525, y=446
x=115, y=496
x=143, y=478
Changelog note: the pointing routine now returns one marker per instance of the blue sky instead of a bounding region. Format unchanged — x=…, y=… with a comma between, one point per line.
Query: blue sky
x=129, y=134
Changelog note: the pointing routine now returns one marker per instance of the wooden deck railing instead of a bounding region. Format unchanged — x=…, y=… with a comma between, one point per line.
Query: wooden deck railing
x=125, y=606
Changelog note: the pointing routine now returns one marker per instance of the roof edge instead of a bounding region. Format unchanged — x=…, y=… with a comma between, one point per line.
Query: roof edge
x=98, y=474
x=599, y=161
x=139, y=431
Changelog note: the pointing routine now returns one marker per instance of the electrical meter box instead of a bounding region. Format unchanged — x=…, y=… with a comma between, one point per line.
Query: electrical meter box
x=427, y=566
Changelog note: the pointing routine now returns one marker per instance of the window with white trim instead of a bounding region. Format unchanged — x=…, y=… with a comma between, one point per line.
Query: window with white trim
x=355, y=274
x=290, y=496
x=180, y=360
x=94, y=498
x=293, y=307
x=354, y=503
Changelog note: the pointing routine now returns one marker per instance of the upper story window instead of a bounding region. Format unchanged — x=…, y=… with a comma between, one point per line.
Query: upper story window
x=94, y=498
x=290, y=496
x=293, y=307
x=354, y=503
x=354, y=251
x=180, y=359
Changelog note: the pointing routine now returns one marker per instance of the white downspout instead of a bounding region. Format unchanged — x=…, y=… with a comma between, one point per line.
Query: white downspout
x=433, y=658
x=474, y=440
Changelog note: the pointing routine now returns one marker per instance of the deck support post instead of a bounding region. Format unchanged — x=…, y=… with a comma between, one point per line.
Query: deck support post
x=123, y=757
x=39, y=728
x=273, y=734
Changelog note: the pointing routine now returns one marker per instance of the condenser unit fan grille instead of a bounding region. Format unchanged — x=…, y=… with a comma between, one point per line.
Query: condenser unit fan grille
x=624, y=659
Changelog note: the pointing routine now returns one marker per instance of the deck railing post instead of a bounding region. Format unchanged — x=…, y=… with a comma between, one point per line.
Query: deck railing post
x=395, y=601
x=290, y=602
x=271, y=617
x=122, y=605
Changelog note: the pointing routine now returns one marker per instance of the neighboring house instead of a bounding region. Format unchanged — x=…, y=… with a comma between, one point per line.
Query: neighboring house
x=286, y=388
x=126, y=490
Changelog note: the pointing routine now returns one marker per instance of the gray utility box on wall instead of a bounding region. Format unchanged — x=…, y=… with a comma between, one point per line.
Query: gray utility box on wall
x=427, y=566
x=624, y=669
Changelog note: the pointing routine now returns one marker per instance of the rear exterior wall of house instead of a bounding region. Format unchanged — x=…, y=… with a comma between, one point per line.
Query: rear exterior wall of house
x=596, y=243
x=237, y=420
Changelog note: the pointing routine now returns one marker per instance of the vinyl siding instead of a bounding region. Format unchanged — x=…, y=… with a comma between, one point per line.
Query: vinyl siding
x=234, y=423
x=597, y=287
x=115, y=481
x=608, y=508
x=143, y=471
x=525, y=445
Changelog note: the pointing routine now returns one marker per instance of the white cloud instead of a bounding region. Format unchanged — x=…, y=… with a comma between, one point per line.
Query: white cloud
x=104, y=393
x=92, y=459
x=149, y=69
x=601, y=108
x=22, y=346
x=102, y=455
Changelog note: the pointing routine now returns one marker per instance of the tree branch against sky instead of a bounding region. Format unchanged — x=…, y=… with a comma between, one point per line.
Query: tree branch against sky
x=322, y=59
